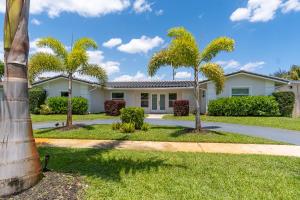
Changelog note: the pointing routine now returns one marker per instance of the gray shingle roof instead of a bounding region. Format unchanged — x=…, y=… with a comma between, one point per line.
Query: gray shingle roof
x=151, y=84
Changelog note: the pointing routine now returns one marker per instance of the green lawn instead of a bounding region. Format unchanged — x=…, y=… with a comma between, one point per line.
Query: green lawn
x=135, y=175
x=156, y=133
x=275, y=122
x=61, y=118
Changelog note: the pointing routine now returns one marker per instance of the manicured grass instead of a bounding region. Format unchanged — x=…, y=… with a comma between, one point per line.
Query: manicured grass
x=61, y=118
x=156, y=133
x=274, y=122
x=134, y=175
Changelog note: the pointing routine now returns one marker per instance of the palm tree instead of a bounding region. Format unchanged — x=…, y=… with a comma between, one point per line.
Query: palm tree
x=75, y=61
x=20, y=166
x=1, y=70
x=183, y=51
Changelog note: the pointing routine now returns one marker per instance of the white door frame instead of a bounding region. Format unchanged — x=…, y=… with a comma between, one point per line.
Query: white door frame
x=158, y=110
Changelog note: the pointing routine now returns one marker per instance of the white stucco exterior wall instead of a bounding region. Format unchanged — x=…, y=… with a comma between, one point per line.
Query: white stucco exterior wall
x=257, y=86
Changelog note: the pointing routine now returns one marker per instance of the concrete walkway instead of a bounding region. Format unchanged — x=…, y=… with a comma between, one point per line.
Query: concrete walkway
x=277, y=150
x=281, y=135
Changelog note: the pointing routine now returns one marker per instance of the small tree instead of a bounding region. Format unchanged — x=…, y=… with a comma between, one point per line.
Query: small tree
x=75, y=61
x=183, y=51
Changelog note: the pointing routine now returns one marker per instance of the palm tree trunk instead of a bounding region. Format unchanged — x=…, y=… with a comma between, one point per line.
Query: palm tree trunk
x=197, y=100
x=69, y=115
x=20, y=166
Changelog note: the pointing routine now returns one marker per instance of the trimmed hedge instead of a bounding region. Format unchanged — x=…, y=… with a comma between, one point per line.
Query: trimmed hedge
x=37, y=97
x=181, y=108
x=286, y=101
x=113, y=107
x=134, y=115
x=59, y=105
x=244, y=106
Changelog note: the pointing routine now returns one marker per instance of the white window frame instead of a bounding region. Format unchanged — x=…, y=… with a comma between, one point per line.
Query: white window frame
x=241, y=87
x=117, y=98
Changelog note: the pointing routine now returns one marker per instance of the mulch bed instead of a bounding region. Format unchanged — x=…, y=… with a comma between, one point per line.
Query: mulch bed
x=54, y=186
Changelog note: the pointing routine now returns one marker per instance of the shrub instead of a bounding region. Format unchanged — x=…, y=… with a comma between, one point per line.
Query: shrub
x=133, y=115
x=145, y=127
x=59, y=105
x=37, y=97
x=244, y=106
x=113, y=107
x=45, y=110
x=116, y=126
x=127, y=128
x=181, y=108
x=286, y=101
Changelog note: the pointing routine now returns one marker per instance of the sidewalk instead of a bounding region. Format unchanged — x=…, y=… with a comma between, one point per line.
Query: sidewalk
x=278, y=150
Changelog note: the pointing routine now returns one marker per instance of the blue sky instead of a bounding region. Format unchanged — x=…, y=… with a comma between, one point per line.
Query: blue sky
x=128, y=32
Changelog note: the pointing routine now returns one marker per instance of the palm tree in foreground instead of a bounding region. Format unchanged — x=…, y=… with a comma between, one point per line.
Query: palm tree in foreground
x=183, y=51
x=75, y=61
x=20, y=166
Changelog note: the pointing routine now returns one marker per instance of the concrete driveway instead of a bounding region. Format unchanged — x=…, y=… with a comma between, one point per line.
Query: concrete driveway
x=282, y=135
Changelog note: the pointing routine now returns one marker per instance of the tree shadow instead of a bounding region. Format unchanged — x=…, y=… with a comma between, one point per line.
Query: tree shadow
x=101, y=163
x=190, y=131
x=63, y=129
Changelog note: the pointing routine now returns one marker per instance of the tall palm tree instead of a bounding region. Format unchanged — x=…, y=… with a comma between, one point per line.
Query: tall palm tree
x=20, y=166
x=75, y=61
x=183, y=51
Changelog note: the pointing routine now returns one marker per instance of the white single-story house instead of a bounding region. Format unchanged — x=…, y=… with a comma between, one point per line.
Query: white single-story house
x=159, y=96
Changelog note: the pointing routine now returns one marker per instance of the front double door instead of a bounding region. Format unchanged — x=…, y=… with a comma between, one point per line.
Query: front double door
x=158, y=102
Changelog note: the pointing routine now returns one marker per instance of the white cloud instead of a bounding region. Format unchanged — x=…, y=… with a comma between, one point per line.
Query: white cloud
x=231, y=64
x=112, y=42
x=141, y=6
x=36, y=22
x=159, y=12
x=96, y=57
x=90, y=8
x=257, y=11
x=252, y=66
x=183, y=75
x=142, y=45
x=291, y=5
x=139, y=76
x=235, y=65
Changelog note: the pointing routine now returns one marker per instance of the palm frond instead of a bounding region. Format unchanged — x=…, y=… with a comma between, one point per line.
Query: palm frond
x=57, y=47
x=215, y=73
x=96, y=72
x=43, y=62
x=84, y=43
x=76, y=59
x=159, y=59
x=216, y=46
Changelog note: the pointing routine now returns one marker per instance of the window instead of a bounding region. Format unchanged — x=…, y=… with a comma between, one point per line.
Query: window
x=64, y=94
x=236, y=92
x=172, y=98
x=117, y=96
x=144, y=100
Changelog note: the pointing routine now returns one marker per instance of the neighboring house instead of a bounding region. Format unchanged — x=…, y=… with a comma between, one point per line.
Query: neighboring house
x=159, y=96
x=293, y=86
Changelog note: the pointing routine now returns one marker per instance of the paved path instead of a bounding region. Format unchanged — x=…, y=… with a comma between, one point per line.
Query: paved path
x=278, y=150
x=282, y=135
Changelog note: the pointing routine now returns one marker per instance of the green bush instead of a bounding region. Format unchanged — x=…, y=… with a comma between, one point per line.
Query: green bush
x=37, y=97
x=244, y=106
x=45, y=110
x=127, y=128
x=59, y=105
x=286, y=101
x=116, y=126
x=133, y=115
x=145, y=127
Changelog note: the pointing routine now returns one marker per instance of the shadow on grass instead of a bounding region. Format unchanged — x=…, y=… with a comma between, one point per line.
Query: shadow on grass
x=64, y=129
x=100, y=163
